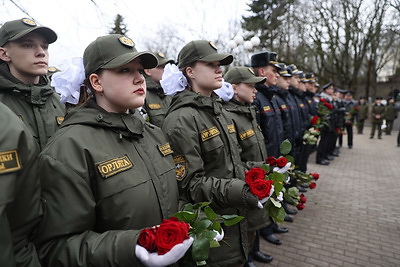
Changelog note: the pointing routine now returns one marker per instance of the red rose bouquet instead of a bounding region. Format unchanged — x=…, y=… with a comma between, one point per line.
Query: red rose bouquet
x=162, y=238
x=259, y=186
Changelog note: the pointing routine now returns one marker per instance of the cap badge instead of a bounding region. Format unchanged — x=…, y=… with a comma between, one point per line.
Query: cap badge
x=161, y=54
x=126, y=41
x=29, y=22
x=251, y=71
x=213, y=45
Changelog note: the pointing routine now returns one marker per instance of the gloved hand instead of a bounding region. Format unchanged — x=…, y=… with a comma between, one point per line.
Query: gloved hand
x=283, y=169
x=219, y=236
x=172, y=256
x=262, y=201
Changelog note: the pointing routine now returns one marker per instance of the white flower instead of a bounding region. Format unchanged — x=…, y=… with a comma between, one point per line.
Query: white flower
x=69, y=80
x=173, y=80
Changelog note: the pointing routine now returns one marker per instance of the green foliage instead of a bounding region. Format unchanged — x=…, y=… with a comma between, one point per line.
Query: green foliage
x=285, y=147
x=204, y=222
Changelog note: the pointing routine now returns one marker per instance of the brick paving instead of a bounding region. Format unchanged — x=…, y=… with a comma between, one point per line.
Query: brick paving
x=352, y=218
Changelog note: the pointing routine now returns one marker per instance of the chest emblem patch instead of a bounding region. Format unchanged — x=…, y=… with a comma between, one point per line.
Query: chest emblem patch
x=113, y=166
x=209, y=133
x=9, y=161
x=155, y=106
x=246, y=134
x=165, y=149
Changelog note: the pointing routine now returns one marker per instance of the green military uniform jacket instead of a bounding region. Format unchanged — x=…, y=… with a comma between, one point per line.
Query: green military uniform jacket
x=362, y=111
x=378, y=109
x=20, y=205
x=208, y=165
x=105, y=176
x=251, y=141
x=156, y=103
x=390, y=112
x=36, y=104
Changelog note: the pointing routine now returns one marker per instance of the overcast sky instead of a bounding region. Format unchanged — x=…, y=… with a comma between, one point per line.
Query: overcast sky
x=78, y=22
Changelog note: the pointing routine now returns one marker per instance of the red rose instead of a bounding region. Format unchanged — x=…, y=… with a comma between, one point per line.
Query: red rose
x=314, y=120
x=300, y=206
x=303, y=198
x=147, y=239
x=322, y=100
x=271, y=161
x=261, y=188
x=281, y=162
x=355, y=108
x=254, y=174
x=328, y=105
x=170, y=233
x=313, y=185
x=315, y=175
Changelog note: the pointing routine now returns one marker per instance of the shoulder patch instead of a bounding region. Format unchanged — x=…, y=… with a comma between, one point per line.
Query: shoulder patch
x=165, y=149
x=231, y=128
x=209, y=133
x=113, y=166
x=154, y=106
x=181, y=167
x=246, y=134
x=59, y=119
x=9, y=161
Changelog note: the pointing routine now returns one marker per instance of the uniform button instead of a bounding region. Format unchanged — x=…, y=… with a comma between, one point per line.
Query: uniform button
x=99, y=117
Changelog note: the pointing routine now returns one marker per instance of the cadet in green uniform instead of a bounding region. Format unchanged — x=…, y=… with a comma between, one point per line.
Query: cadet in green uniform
x=20, y=208
x=362, y=114
x=156, y=103
x=390, y=115
x=378, y=112
x=106, y=173
x=251, y=140
x=24, y=85
x=206, y=151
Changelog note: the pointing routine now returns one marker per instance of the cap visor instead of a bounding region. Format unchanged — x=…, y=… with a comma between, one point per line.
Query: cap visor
x=224, y=59
x=149, y=60
x=48, y=33
x=255, y=80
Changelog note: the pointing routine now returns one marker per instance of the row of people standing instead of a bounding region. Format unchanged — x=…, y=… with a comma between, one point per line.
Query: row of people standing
x=103, y=173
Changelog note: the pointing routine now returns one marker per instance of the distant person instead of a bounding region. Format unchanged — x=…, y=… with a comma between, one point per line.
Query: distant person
x=378, y=112
x=362, y=114
x=390, y=115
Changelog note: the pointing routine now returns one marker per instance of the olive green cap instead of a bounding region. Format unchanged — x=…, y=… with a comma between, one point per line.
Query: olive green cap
x=113, y=51
x=201, y=50
x=162, y=60
x=238, y=75
x=16, y=29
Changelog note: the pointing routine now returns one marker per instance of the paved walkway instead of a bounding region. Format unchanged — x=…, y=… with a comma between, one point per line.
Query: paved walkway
x=352, y=217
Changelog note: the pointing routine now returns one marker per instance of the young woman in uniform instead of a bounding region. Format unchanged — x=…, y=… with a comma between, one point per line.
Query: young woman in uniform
x=107, y=174
x=206, y=151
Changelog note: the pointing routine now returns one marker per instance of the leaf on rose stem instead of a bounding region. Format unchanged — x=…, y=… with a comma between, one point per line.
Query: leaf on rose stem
x=200, y=249
x=201, y=225
x=276, y=203
x=216, y=226
x=278, y=181
x=214, y=244
x=185, y=216
x=266, y=168
x=200, y=205
x=285, y=147
x=278, y=214
x=230, y=220
x=290, y=159
x=209, y=234
x=210, y=213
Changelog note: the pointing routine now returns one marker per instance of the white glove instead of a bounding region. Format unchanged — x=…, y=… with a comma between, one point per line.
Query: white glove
x=262, y=201
x=219, y=236
x=280, y=197
x=172, y=256
x=283, y=169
